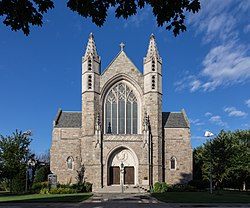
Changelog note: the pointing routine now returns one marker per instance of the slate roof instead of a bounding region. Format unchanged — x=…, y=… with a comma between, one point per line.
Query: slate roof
x=74, y=120
x=68, y=120
x=174, y=120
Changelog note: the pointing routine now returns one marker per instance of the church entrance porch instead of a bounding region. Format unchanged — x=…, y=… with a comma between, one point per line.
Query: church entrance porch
x=122, y=167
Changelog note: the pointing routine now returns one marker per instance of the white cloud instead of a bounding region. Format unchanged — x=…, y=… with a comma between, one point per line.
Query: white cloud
x=217, y=121
x=196, y=122
x=248, y=103
x=228, y=60
x=226, y=65
x=208, y=114
x=232, y=111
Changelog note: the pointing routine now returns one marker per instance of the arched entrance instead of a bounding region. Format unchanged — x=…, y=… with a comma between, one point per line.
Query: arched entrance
x=122, y=167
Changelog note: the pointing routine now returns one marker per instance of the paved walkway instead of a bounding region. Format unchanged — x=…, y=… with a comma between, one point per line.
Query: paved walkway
x=119, y=201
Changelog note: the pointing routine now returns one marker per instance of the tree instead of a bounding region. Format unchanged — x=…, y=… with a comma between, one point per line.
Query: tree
x=20, y=14
x=240, y=160
x=13, y=155
x=230, y=157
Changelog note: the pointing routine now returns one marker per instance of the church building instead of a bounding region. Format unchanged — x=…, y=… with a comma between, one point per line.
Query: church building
x=121, y=137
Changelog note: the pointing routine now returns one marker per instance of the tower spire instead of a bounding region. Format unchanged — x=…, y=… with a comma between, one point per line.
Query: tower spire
x=152, y=50
x=91, y=48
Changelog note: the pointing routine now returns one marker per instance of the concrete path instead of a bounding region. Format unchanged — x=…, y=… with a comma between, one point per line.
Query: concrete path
x=120, y=201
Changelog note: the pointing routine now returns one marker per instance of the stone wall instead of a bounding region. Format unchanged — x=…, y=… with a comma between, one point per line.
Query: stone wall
x=65, y=143
x=177, y=144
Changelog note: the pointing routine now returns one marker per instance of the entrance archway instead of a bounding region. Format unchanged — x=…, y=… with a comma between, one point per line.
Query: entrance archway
x=122, y=167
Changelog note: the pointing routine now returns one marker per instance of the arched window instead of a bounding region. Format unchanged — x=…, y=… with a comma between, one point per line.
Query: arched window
x=121, y=110
x=70, y=163
x=173, y=163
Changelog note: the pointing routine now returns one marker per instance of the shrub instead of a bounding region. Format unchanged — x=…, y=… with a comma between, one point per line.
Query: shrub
x=61, y=191
x=88, y=186
x=160, y=187
x=38, y=186
x=44, y=191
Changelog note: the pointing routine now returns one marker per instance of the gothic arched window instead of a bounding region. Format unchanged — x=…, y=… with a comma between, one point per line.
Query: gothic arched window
x=70, y=163
x=121, y=110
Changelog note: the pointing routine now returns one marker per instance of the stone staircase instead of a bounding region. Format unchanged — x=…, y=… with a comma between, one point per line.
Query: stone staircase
x=119, y=189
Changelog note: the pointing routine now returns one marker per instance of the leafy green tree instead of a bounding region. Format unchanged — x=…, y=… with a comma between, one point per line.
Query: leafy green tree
x=13, y=154
x=230, y=155
x=239, y=169
x=20, y=14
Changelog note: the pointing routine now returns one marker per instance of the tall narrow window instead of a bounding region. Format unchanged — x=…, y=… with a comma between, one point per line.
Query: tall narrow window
x=153, y=82
x=89, y=82
x=121, y=110
x=153, y=65
x=173, y=163
x=70, y=163
x=89, y=64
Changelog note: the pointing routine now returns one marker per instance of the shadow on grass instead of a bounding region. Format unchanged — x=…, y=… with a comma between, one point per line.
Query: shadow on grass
x=39, y=198
x=203, y=197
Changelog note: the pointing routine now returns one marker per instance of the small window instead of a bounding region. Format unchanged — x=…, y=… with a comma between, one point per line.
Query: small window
x=153, y=82
x=153, y=65
x=89, y=64
x=70, y=163
x=89, y=82
x=173, y=163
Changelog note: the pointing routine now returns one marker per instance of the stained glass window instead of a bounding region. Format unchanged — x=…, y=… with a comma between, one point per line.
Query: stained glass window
x=121, y=110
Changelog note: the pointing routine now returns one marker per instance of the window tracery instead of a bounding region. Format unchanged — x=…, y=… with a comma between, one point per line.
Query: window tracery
x=121, y=109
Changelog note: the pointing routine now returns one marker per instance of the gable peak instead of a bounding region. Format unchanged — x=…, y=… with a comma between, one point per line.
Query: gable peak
x=91, y=48
x=152, y=50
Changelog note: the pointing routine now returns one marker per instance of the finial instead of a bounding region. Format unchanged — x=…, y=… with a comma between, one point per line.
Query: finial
x=122, y=45
x=91, y=35
x=152, y=35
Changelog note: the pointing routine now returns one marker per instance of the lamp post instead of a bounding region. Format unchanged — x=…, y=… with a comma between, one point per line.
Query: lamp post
x=208, y=135
x=122, y=173
x=27, y=133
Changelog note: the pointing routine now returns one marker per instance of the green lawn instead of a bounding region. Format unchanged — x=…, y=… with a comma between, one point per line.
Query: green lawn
x=44, y=197
x=203, y=197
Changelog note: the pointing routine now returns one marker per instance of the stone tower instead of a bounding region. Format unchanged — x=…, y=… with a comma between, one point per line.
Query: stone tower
x=153, y=105
x=90, y=145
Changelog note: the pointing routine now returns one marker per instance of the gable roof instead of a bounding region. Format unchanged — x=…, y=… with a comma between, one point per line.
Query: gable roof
x=68, y=119
x=74, y=120
x=122, y=56
x=174, y=120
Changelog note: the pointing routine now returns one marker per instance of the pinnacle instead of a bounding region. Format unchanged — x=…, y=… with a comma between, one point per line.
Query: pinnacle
x=152, y=50
x=91, y=48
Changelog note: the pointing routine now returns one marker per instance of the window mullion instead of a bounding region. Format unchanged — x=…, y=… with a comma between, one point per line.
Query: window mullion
x=117, y=110
x=132, y=119
x=111, y=115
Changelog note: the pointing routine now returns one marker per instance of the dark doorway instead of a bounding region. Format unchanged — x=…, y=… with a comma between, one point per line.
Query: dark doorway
x=129, y=174
x=114, y=175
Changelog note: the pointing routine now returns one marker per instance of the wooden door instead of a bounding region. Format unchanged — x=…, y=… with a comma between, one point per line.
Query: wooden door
x=114, y=175
x=129, y=174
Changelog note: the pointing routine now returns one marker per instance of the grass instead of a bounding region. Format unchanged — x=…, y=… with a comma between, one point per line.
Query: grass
x=203, y=197
x=41, y=198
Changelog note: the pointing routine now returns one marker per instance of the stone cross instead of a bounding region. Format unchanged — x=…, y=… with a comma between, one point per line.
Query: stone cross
x=122, y=45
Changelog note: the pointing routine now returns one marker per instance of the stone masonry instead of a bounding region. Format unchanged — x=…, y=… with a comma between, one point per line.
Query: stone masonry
x=121, y=136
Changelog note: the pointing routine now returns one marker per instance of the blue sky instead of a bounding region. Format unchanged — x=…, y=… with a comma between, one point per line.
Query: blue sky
x=206, y=70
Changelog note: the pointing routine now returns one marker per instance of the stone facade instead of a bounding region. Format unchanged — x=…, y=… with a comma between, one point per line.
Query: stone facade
x=122, y=137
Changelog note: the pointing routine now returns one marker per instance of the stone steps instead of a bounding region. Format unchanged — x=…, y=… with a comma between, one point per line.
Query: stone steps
x=118, y=189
